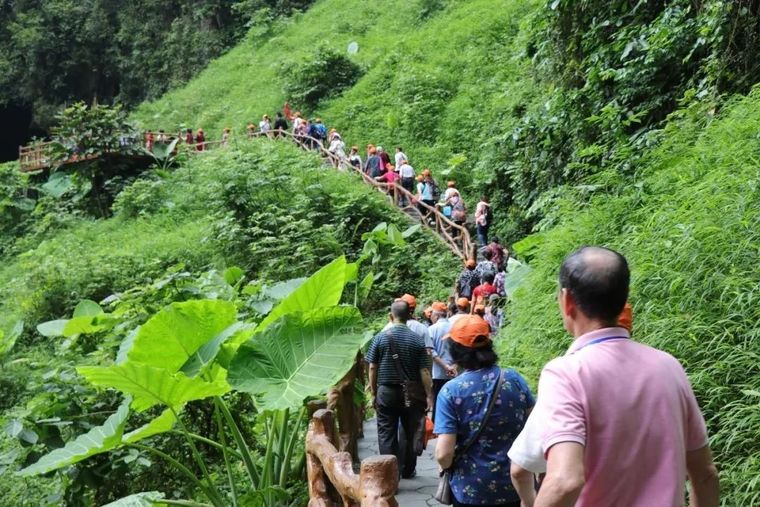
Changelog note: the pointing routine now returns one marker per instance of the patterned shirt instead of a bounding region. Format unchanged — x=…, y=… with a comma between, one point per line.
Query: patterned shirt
x=411, y=350
x=481, y=477
x=467, y=281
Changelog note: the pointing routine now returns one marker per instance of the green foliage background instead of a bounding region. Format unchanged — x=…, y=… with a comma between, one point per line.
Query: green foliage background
x=588, y=122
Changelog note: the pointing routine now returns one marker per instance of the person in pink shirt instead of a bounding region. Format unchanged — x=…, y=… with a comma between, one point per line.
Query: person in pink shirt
x=619, y=422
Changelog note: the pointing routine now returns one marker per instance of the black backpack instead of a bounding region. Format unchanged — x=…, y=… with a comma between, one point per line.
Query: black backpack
x=489, y=215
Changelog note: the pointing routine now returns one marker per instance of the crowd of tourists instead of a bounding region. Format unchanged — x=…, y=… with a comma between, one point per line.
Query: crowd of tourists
x=422, y=189
x=615, y=422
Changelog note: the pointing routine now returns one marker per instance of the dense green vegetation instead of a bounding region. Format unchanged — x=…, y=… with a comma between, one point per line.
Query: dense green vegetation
x=629, y=124
x=262, y=209
x=690, y=229
x=54, y=52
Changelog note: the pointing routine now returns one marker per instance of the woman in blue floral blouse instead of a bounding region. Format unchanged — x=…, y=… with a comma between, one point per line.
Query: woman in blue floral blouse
x=481, y=476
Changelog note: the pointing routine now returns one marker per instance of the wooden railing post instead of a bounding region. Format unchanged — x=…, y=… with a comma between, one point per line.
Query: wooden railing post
x=321, y=431
x=378, y=481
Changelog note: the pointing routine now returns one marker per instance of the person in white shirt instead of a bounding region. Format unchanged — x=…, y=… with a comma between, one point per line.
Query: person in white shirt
x=400, y=156
x=527, y=459
x=264, y=125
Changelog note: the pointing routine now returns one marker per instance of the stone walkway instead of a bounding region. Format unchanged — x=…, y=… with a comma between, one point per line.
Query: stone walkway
x=417, y=492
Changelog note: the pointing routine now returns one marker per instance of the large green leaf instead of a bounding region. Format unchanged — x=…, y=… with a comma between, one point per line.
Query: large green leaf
x=150, y=385
x=174, y=334
x=52, y=328
x=144, y=499
x=322, y=289
x=297, y=357
x=204, y=356
x=97, y=440
x=160, y=424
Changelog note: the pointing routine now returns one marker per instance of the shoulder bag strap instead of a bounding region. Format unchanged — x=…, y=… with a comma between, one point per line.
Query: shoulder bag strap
x=483, y=423
x=396, y=358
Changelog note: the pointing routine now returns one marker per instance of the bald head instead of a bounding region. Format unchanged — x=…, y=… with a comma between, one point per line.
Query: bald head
x=400, y=311
x=597, y=279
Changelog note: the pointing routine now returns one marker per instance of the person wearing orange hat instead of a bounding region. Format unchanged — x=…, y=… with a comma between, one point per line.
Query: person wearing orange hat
x=250, y=130
x=373, y=166
x=462, y=309
x=226, y=136
x=443, y=365
x=416, y=326
x=467, y=281
x=401, y=387
x=485, y=405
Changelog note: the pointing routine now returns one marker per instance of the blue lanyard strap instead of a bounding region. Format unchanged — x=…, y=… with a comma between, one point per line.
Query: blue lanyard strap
x=602, y=340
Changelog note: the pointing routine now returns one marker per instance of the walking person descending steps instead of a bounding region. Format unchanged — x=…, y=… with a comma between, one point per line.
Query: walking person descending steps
x=401, y=387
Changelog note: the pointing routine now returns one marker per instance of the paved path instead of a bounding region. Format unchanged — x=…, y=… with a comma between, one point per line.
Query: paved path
x=417, y=492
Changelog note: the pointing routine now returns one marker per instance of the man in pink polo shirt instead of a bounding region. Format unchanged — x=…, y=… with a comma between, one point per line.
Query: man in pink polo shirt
x=620, y=424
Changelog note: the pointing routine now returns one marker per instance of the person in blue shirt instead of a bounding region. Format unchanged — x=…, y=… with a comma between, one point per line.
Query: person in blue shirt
x=444, y=368
x=481, y=476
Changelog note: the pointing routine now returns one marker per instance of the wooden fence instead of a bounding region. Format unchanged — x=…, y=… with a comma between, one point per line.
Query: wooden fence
x=329, y=469
x=457, y=237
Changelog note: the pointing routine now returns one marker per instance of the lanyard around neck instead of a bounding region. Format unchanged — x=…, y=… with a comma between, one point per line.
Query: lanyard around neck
x=602, y=340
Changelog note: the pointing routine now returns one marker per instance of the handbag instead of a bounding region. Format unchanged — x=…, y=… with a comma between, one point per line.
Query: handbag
x=414, y=391
x=414, y=396
x=443, y=494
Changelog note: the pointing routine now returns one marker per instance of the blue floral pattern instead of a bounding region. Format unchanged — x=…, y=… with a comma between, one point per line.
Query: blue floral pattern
x=481, y=477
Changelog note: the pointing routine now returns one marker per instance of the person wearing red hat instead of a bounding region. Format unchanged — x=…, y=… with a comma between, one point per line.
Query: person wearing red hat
x=462, y=309
x=479, y=413
x=401, y=386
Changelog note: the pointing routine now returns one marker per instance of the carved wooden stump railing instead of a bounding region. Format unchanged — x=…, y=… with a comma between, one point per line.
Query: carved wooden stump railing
x=374, y=486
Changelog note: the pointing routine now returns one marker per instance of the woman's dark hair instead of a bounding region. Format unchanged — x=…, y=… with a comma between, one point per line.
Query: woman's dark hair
x=472, y=359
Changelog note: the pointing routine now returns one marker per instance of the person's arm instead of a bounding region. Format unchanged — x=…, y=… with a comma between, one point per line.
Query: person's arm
x=444, y=449
x=564, y=476
x=373, y=382
x=524, y=484
x=704, y=489
x=427, y=383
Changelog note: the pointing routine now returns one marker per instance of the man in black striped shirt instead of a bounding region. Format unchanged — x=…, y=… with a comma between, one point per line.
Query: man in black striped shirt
x=387, y=376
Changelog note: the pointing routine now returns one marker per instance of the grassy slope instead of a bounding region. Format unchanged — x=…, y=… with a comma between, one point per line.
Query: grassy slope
x=445, y=88
x=690, y=229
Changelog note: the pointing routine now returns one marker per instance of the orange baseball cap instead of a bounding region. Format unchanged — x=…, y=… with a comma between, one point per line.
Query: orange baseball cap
x=625, y=319
x=463, y=303
x=471, y=331
x=410, y=300
x=470, y=263
x=480, y=309
x=439, y=307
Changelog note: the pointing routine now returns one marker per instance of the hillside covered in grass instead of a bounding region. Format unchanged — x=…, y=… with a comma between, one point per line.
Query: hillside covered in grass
x=586, y=122
x=590, y=122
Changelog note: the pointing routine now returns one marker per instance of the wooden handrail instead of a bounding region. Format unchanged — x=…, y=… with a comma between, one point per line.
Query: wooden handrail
x=375, y=486
x=459, y=243
x=456, y=237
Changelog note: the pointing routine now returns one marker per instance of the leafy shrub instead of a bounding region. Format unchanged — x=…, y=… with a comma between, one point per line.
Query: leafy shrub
x=324, y=74
x=146, y=196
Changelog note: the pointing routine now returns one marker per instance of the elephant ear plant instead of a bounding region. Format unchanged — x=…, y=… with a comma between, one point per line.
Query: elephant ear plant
x=200, y=350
